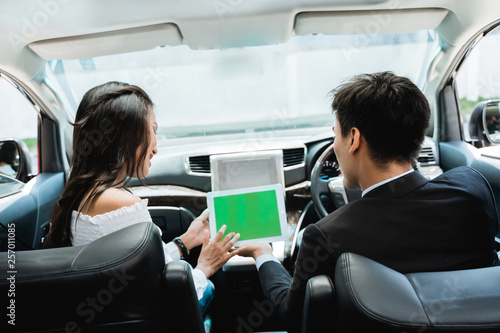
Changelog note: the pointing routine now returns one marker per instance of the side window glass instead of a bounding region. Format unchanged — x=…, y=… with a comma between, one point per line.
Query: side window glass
x=9, y=185
x=478, y=79
x=18, y=120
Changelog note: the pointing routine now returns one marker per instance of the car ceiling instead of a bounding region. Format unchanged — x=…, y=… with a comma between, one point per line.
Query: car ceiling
x=71, y=29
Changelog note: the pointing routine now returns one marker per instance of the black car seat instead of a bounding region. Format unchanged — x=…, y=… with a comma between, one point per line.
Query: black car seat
x=367, y=295
x=118, y=283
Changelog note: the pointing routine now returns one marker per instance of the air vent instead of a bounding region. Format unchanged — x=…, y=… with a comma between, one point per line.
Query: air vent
x=293, y=157
x=426, y=156
x=199, y=164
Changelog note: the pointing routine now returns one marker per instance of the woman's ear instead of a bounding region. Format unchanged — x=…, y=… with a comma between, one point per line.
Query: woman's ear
x=355, y=136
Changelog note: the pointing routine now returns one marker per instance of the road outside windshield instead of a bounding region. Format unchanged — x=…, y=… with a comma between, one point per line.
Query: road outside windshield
x=252, y=89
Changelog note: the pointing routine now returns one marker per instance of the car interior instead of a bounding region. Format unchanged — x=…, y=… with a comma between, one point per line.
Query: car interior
x=242, y=97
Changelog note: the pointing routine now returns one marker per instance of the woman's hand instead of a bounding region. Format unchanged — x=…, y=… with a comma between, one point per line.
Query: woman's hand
x=216, y=253
x=196, y=232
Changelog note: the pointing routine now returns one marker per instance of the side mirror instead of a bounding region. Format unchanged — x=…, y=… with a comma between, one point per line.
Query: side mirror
x=484, y=125
x=491, y=121
x=15, y=159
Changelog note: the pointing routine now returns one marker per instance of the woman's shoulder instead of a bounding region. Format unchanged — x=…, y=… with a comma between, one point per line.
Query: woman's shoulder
x=113, y=210
x=112, y=199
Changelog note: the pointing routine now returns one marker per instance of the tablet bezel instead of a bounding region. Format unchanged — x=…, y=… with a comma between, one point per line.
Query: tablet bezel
x=280, y=200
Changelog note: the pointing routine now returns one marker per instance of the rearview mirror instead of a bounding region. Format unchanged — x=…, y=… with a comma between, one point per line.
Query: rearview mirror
x=15, y=160
x=484, y=124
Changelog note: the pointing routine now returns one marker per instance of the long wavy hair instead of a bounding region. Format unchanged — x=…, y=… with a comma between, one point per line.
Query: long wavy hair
x=110, y=128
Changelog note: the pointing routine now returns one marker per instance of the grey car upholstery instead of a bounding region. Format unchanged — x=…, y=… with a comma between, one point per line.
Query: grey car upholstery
x=118, y=283
x=367, y=295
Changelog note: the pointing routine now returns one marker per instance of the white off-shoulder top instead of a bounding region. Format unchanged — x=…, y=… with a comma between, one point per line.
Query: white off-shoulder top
x=86, y=229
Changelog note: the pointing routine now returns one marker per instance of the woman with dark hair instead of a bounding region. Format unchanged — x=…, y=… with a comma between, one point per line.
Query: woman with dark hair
x=114, y=140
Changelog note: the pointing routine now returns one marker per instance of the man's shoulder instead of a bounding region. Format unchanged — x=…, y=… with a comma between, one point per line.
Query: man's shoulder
x=464, y=179
x=461, y=176
x=353, y=210
x=462, y=170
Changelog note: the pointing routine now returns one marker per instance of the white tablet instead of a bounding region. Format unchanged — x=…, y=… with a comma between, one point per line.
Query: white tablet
x=257, y=213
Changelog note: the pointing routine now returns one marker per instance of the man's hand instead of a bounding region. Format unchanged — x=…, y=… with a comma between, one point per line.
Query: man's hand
x=255, y=250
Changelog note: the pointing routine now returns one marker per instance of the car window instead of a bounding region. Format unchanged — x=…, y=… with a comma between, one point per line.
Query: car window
x=9, y=185
x=479, y=77
x=19, y=119
x=265, y=89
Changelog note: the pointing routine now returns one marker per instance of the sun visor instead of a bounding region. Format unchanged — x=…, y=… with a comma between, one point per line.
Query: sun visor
x=368, y=22
x=111, y=42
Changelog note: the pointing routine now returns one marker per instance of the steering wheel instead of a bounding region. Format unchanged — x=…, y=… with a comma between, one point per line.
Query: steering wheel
x=327, y=191
x=327, y=184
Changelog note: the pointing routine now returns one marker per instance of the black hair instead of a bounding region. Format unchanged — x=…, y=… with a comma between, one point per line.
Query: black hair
x=390, y=112
x=110, y=128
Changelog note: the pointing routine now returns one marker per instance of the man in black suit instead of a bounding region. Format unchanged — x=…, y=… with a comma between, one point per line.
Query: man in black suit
x=403, y=220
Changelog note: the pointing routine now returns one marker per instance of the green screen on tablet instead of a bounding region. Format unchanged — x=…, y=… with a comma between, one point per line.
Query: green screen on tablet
x=257, y=213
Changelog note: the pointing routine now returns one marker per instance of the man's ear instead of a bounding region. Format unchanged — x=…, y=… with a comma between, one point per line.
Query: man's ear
x=355, y=136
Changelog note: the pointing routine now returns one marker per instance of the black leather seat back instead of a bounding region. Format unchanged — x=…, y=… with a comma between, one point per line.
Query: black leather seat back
x=319, y=305
x=180, y=292
x=370, y=295
x=116, y=283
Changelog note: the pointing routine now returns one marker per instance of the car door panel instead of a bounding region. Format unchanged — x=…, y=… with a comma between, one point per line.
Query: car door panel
x=30, y=210
x=20, y=209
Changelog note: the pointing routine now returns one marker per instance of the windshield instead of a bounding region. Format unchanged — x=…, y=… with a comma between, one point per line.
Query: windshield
x=250, y=89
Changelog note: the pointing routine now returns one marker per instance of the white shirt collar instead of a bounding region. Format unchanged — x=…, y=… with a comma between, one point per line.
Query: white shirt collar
x=385, y=182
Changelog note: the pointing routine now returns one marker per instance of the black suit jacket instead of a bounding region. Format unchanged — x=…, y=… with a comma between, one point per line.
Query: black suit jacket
x=410, y=224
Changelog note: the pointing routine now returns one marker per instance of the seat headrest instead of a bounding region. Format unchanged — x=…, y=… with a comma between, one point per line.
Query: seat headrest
x=115, y=278
x=370, y=295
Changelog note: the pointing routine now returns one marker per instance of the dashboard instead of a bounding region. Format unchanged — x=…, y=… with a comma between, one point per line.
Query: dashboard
x=330, y=168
